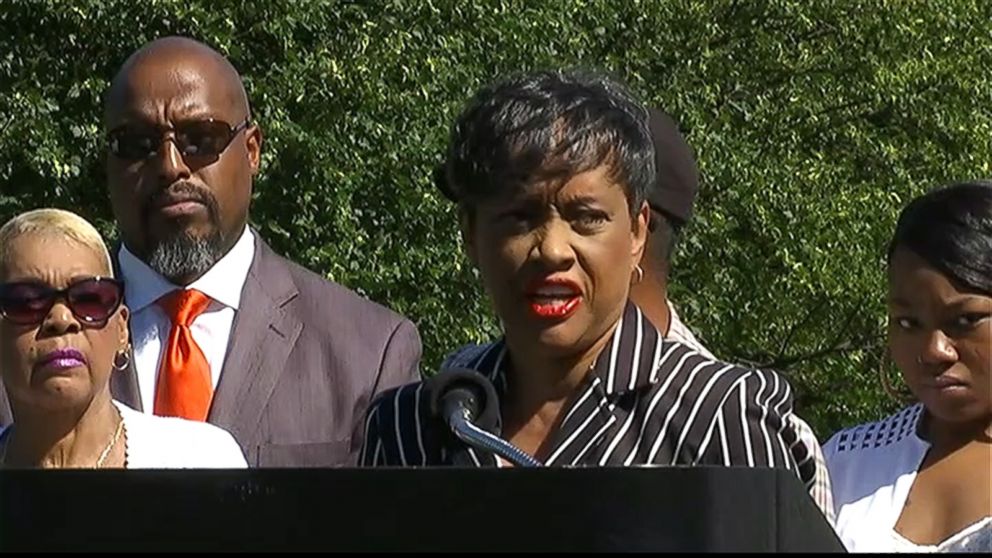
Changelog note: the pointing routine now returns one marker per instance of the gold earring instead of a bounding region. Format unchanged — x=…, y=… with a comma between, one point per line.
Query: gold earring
x=125, y=353
x=640, y=274
x=902, y=396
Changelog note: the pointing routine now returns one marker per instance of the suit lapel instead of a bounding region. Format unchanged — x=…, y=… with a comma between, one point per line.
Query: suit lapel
x=262, y=337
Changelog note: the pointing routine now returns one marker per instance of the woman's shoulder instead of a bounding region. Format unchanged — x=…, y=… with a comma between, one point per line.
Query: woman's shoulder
x=876, y=435
x=399, y=424
x=869, y=465
x=156, y=442
x=410, y=397
x=871, y=456
x=683, y=365
x=470, y=355
x=406, y=400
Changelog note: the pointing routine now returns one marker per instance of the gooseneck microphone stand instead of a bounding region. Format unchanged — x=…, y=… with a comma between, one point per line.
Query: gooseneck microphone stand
x=466, y=401
x=460, y=422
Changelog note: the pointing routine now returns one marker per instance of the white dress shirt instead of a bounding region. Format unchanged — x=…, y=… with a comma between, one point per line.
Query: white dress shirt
x=211, y=330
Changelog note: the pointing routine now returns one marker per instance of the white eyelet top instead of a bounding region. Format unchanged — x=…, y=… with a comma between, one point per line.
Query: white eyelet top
x=872, y=469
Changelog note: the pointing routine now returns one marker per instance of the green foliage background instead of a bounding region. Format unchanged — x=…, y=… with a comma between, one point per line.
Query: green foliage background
x=813, y=123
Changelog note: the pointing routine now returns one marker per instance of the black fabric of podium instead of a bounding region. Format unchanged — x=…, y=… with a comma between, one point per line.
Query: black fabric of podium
x=437, y=509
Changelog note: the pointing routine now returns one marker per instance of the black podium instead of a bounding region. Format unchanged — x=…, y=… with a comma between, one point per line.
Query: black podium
x=435, y=509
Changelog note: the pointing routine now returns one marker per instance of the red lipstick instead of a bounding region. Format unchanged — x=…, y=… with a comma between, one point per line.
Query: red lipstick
x=554, y=297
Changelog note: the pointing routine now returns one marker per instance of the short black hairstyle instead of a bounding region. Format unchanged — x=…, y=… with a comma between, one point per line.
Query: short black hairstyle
x=951, y=229
x=548, y=125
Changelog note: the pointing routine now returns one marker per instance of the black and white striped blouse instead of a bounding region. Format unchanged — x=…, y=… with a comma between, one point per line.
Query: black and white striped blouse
x=647, y=400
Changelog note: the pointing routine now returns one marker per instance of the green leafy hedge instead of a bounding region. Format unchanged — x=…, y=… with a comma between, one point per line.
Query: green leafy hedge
x=813, y=123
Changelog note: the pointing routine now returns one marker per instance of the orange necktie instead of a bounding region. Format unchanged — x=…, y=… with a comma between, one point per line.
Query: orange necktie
x=184, y=388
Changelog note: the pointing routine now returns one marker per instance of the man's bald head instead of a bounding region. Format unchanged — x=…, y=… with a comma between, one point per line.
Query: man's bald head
x=182, y=156
x=172, y=54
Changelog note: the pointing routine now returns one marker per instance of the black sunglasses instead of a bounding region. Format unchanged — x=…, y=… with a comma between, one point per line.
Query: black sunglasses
x=92, y=301
x=193, y=138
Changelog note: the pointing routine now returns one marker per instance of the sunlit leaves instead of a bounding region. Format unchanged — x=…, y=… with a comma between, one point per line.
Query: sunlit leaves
x=813, y=124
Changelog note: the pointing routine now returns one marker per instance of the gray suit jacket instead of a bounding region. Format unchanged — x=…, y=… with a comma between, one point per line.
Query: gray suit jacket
x=305, y=358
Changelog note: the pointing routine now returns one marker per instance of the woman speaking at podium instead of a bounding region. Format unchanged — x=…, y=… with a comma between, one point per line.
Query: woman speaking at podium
x=550, y=171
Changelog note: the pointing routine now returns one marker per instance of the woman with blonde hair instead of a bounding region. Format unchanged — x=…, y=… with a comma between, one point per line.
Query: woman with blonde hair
x=63, y=332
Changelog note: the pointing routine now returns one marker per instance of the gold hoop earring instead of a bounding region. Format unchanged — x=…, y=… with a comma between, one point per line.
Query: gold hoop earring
x=126, y=355
x=900, y=396
x=640, y=274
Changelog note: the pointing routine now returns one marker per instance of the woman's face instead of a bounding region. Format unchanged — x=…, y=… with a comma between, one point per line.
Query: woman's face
x=940, y=337
x=61, y=363
x=557, y=259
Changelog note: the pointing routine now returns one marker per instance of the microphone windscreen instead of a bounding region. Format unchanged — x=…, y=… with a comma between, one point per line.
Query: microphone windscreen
x=452, y=379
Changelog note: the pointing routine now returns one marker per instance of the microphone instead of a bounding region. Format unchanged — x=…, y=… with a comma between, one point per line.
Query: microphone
x=466, y=401
x=467, y=391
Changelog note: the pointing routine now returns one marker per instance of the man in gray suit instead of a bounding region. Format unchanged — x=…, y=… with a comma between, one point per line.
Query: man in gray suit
x=225, y=330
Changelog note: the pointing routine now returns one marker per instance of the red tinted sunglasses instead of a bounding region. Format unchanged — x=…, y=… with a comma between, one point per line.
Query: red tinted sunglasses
x=92, y=301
